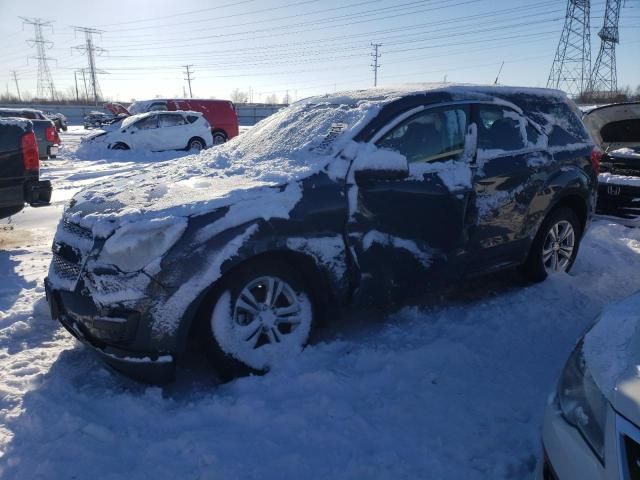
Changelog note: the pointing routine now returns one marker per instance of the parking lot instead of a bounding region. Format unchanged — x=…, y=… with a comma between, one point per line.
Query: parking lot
x=393, y=395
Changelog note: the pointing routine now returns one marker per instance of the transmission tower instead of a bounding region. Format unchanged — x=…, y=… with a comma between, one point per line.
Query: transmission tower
x=45, y=80
x=375, y=65
x=91, y=51
x=572, y=63
x=604, y=77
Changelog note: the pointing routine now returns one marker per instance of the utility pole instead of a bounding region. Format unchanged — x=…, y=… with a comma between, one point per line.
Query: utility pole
x=86, y=92
x=571, y=66
x=15, y=79
x=91, y=50
x=375, y=65
x=75, y=79
x=45, y=80
x=188, y=79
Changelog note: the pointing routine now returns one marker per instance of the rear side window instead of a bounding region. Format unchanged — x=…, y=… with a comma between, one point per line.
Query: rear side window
x=563, y=125
x=433, y=135
x=192, y=118
x=499, y=128
x=621, y=131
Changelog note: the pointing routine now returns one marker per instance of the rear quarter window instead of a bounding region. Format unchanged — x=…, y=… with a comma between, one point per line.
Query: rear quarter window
x=562, y=125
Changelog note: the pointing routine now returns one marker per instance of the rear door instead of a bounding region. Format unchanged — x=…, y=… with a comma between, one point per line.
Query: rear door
x=511, y=167
x=406, y=232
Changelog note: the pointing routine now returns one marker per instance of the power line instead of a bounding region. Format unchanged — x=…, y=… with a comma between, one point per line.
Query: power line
x=45, y=80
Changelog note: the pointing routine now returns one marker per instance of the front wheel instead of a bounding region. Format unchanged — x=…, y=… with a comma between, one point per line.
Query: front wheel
x=262, y=316
x=555, y=247
x=120, y=146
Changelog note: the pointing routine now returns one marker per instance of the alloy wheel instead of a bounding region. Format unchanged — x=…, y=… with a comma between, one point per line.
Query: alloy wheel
x=558, y=247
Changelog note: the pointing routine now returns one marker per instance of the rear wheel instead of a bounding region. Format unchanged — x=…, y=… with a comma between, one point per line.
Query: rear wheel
x=196, y=144
x=263, y=315
x=555, y=247
x=219, y=138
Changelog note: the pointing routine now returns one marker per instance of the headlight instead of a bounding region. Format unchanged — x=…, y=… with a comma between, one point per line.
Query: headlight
x=582, y=403
x=135, y=245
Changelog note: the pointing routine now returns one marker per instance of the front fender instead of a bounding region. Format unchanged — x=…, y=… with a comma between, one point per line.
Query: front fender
x=196, y=274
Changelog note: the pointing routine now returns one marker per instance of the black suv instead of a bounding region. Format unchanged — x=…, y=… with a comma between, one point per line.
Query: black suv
x=336, y=200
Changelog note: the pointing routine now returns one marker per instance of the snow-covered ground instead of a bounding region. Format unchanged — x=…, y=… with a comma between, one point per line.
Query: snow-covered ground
x=454, y=387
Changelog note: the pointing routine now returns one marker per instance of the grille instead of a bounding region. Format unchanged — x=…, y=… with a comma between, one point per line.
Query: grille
x=77, y=230
x=65, y=269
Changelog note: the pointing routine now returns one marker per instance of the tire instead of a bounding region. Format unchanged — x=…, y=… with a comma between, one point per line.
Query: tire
x=555, y=246
x=120, y=146
x=219, y=138
x=196, y=144
x=242, y=331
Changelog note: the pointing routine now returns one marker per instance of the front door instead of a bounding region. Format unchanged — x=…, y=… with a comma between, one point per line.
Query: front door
x=405, y=232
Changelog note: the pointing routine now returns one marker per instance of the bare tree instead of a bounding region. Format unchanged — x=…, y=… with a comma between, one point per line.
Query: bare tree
x=272, y=99
x=238, y=96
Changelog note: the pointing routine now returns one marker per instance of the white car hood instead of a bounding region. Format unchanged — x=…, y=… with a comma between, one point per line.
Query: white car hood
x=597, y=118
x=612, y=354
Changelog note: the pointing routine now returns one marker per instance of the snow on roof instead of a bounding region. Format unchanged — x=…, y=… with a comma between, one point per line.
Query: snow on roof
x=23, y=123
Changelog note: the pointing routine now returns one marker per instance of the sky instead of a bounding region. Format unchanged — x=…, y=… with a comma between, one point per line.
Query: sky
x=299, y=47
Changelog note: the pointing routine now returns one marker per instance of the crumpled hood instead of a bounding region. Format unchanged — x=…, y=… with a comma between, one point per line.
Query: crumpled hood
x=103, y=207
x=612, y=354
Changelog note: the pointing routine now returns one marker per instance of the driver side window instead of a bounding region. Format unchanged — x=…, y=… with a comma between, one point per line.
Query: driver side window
x=436, y=134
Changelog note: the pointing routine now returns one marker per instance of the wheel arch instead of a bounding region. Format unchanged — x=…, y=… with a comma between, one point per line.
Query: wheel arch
x=318, y=280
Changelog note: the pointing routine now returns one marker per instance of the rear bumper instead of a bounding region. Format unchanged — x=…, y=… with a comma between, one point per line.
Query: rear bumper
x=81, y=319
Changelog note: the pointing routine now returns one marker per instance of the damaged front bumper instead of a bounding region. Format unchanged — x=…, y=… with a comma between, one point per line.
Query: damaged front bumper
x=99, y=331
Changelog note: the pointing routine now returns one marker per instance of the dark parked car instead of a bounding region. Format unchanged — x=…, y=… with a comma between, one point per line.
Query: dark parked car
x=58, y=119
x=98, y=120
x=44, y=129
x=616, y=128
x=344, y=199
x=20, y=182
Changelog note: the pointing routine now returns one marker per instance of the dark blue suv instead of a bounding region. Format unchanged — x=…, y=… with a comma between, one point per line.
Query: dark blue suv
x=349, y=198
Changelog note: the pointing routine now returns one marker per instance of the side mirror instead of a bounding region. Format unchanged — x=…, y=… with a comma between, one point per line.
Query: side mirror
x=374, y=163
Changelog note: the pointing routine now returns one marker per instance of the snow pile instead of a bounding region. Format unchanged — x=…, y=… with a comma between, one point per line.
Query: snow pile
x=449, y=389
x=16, y=122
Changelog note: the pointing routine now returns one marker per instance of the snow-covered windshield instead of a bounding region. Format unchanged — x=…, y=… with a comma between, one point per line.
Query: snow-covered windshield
x=292, y=141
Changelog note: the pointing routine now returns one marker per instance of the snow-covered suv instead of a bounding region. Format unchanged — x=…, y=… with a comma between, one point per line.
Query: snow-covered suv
x=359, y=197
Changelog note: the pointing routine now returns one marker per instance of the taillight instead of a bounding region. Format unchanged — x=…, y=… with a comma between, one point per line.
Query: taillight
x=596, y=158
x=30, y=157
x=50, y=134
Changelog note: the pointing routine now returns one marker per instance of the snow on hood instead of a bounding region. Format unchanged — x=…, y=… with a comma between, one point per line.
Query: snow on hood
x=290, y=145
x=612, y=347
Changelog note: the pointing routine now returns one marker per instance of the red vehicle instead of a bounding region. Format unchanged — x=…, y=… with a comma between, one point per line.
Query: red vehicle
x=221, y=114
